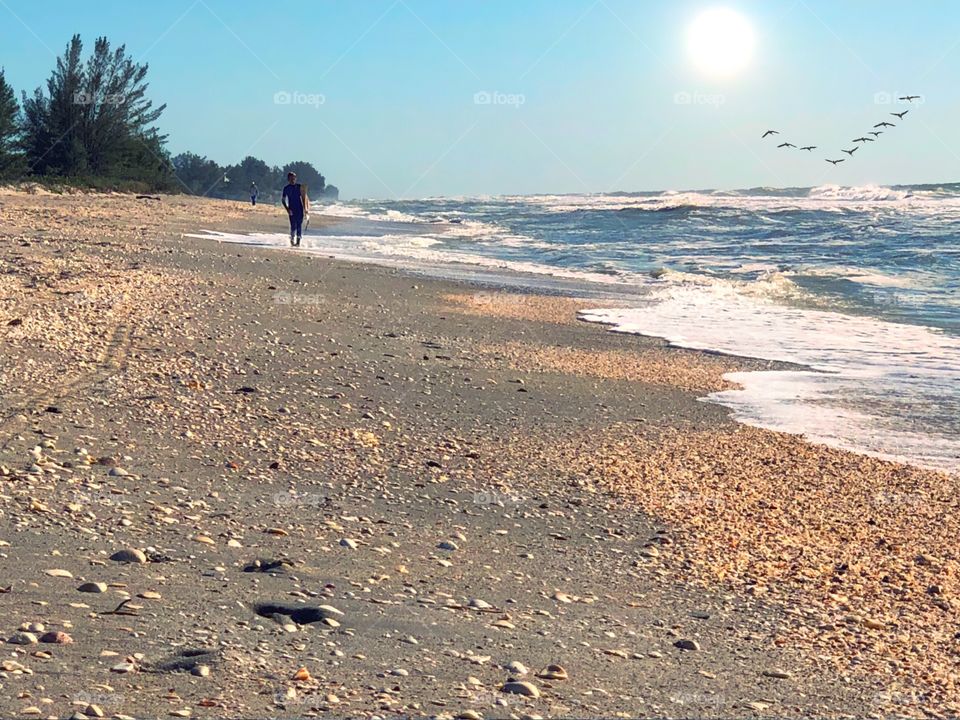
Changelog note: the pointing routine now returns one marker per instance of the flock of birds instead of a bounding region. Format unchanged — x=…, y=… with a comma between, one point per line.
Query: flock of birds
x=875, y=132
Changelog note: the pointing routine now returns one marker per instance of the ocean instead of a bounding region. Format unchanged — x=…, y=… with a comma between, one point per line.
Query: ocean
x=859, y=287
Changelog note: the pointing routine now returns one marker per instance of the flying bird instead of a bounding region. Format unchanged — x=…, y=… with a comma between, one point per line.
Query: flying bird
x=786, y=145
x=909, y=98
x=876, y=133
x=900, y=115
x=862, y=139
x=836, y=162
x=884, y=124
x=851, y=152
x=770, y=132
x=809, y=147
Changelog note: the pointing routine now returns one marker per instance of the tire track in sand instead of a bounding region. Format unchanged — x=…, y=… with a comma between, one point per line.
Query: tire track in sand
x=111, y=360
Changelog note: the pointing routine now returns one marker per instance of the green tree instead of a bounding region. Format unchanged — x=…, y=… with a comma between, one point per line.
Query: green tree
x=52, y=129
x=251, y=170
x=94, y=118
x=198, y=175
x=11, y=159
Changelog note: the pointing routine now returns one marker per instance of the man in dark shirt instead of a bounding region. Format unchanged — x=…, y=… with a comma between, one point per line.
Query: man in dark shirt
x=297, y=203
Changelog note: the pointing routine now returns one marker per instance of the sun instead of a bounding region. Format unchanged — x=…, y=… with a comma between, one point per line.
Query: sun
x=720, y=42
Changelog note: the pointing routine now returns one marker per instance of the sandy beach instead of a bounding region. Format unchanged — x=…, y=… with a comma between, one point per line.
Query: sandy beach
x=239, y=482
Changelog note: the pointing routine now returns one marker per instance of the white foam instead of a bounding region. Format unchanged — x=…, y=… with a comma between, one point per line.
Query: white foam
x=413, y=252
x=886, y=365
x=825, y=198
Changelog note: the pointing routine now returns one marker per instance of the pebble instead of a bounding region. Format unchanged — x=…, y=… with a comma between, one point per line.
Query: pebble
x=57, y=638
x=93, y=587
x=348, y=543
x=129, y=556
x=779, y=674
x=469, y=715
x=685, y=644
x=521, y=687
x=22, y=638
x=449, y=545
x=58, y=572
x=200, y=670
x=517, y=668
x=124, y=667
x=117, y=472
x=553, y=672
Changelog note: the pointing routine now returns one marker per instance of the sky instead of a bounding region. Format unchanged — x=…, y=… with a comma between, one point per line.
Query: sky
x=418, y=98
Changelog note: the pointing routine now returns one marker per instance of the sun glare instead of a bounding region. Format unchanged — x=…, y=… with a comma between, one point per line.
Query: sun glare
x=720, y=41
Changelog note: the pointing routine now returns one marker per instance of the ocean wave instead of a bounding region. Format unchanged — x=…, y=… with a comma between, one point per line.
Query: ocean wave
x=866, y=381
x=865, y=193
x=824, y=198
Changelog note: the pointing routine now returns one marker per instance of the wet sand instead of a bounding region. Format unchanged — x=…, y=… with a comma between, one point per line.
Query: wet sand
x=359, y=493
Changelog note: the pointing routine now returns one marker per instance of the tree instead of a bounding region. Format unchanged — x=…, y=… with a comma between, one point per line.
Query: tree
x=115, y=107
x=251, y=170
x=52, y=130
x=198, y=175
x=11, y=159
x=95, y=118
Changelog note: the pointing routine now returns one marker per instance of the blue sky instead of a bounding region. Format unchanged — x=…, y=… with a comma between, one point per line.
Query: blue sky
x=584, y=95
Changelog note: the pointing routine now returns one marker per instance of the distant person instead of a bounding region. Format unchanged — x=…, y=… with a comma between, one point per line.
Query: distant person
x=253, y=193
x=297, y=204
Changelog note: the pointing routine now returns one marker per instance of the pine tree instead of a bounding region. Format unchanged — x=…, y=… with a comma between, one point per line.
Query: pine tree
x=11, y=158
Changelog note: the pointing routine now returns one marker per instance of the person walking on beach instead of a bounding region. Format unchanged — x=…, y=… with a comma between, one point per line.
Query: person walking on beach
x=297, y=204
x=253, y=193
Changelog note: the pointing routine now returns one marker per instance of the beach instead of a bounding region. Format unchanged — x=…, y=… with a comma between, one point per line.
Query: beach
x=344, y=489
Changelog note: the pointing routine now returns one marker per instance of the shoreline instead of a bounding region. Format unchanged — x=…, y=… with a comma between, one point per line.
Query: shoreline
x=529, y=284
x=380, y=397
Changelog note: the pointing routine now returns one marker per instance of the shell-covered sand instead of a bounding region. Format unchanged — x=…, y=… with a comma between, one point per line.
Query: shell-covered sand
x=481, y=498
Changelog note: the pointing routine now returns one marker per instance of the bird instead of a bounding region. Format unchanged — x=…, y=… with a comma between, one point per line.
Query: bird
x=770, y=132
x=851, y=152
x=909, y=98
x=876, y=133
x=809, y=147
x=836, y=162
x=786, y=145
x=884, y=124
x=900, y=115
x=862, y=139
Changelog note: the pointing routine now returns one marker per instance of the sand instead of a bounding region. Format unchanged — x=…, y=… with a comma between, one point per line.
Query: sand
x=473, y=490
